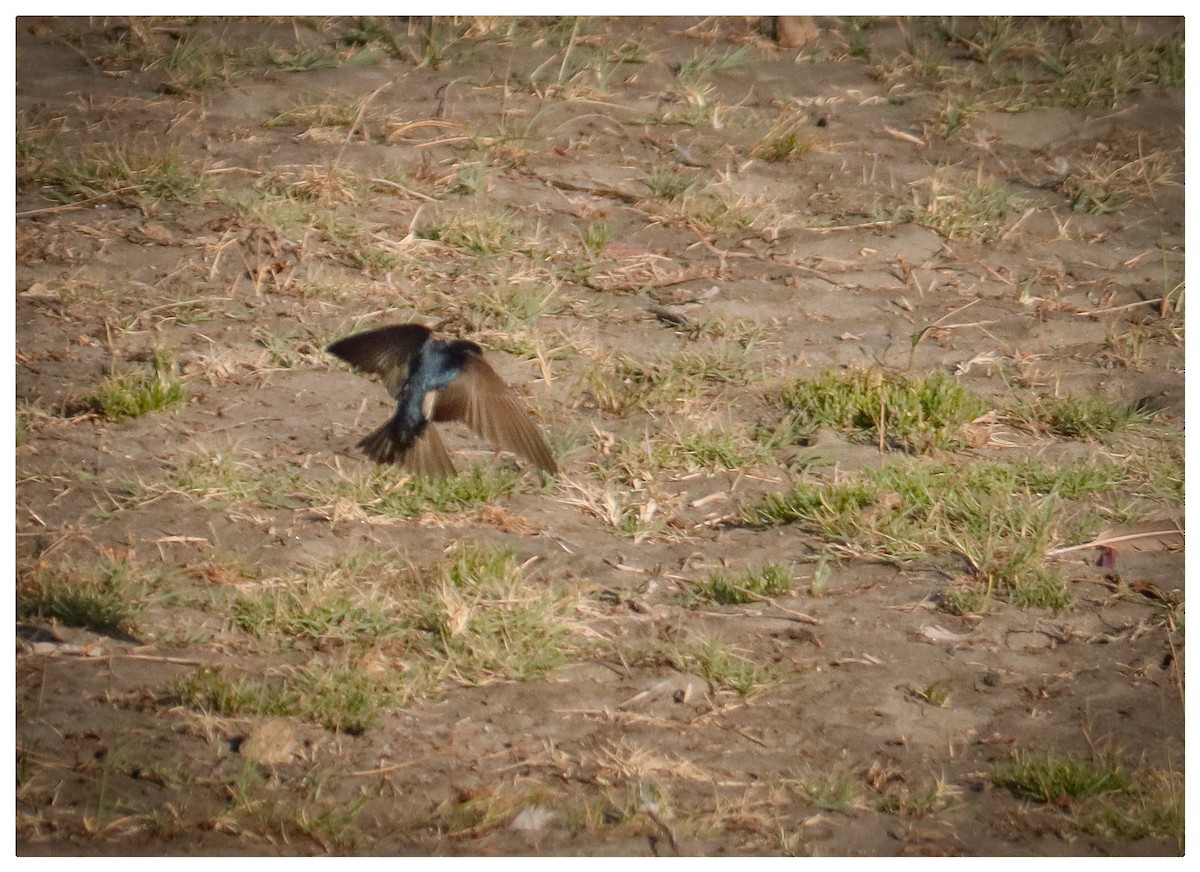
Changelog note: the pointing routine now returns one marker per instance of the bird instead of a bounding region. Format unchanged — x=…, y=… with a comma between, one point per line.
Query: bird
x=432, y=380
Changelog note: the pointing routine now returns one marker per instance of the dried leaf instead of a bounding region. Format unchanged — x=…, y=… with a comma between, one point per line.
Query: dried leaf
x=937, y=635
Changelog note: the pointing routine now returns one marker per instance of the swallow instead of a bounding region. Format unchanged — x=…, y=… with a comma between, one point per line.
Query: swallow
x=438, y=380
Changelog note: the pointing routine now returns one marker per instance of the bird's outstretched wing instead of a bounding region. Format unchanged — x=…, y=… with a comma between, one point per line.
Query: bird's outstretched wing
x=385, y=351
x=489, y=407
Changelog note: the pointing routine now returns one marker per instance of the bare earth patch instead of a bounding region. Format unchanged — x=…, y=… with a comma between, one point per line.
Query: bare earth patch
x=841, y=349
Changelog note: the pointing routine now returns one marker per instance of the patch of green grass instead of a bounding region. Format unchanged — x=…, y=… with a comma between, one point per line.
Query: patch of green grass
x=786, y=140
x=955, y=112
x=128, y=174
x=835, y=791
x=323, y=608
x=189, y=62
x=726, y=670
x=294, y=810
x=1104, y=71
x=486, y=621
x=470, y=619
x=105, y=597
x=314, y=185
x=133, y=394
x=782, y=146
x=715, y=208
x=301, y=207
x=355, y=242
x=1046, y=776
x=280, y=213
x=917, y=802
x=1021, y=64
x=1154, y=808
x=1084, y=417
x=222, y=477
x=706, y=61
x=487, y=233
x=27, y=412
x=194, y=64
x=714, y=661
x=1002, y=517
x=596, y=236
x=1155, y=469
x=380, y=491
x=471, y=180
x=915, y=413
x=338, y=696
x=739, y=331
x=494, y=809
x=682, y=448
x=689, y=373
x=316, y=111
x=230, y=476
x=771, y=579
x=960, y=206
x=668, y=184
x=511, y=305
x=1103, y=184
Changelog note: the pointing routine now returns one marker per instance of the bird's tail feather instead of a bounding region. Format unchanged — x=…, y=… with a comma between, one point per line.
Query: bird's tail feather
x=428, y=455
x=425, y=455
x=382, y=444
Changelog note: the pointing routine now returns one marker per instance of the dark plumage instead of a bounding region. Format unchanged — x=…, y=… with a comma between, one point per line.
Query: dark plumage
x=438, y=380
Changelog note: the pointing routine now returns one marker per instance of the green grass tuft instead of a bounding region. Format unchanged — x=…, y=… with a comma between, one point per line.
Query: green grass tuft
x=105, y=597
x=913, y=413
x=1087, y=417
x=133, y=394
x=1056, y=779
x=769, y=580
x=337, y=696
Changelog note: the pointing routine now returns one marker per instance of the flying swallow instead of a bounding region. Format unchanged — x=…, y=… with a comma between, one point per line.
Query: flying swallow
x=438, y=380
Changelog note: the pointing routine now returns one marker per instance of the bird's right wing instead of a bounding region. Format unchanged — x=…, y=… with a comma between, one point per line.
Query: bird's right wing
x=385, y=351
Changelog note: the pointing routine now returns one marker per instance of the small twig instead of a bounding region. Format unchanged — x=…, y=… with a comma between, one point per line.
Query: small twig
x=1007, y=233
x=939, y=324
x=178, y=661
x=799, y=616
x=650, y=813
x=401, y=187
x=1156, y=300
x=70, y=207
x=746, y=735
x=382, y=769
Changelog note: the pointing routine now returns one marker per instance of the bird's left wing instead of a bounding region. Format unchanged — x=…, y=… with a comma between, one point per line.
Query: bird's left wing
x=385, y=351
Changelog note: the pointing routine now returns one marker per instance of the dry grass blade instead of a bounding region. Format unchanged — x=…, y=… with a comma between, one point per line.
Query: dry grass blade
x=1162, y=534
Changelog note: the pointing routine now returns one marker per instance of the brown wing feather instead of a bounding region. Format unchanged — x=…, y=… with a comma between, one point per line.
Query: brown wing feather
x=428, y=455
x=489, y=407
x=385, y=351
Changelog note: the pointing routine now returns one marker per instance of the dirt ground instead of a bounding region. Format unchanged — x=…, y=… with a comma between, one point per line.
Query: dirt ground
x=473, y=157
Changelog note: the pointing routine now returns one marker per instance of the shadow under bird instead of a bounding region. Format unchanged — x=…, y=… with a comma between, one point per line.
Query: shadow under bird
x=438, y=380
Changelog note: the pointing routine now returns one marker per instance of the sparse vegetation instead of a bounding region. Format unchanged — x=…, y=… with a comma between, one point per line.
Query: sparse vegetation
x=1002, y=517
x=838, y=387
